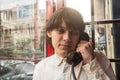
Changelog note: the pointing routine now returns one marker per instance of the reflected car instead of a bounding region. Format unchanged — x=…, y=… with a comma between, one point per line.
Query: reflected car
x=16, y=70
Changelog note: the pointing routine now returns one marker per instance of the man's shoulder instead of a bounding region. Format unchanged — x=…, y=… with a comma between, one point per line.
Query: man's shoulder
x=46, y=59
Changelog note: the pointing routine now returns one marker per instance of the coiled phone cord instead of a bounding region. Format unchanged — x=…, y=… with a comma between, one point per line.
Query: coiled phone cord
x=73, y=72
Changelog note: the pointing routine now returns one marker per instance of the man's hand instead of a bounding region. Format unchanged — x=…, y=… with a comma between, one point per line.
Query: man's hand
x=86, y=50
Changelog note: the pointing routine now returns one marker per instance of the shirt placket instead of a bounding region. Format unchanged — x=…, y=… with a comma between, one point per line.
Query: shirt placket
x=65, y=70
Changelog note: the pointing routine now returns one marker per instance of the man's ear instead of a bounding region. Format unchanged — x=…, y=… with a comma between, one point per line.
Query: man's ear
x=49, y=34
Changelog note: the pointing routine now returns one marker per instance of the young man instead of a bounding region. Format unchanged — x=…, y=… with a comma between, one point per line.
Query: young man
x=64, y=30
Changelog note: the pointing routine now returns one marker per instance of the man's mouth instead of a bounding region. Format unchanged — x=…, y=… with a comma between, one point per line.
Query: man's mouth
x=65, y=46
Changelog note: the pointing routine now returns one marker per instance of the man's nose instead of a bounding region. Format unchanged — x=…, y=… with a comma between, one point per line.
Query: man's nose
x=67, y=36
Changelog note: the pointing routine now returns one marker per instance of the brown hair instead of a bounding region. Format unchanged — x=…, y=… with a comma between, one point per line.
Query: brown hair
x=71, y=17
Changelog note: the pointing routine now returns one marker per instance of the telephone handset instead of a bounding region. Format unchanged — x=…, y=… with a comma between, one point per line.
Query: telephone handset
x=74, y=57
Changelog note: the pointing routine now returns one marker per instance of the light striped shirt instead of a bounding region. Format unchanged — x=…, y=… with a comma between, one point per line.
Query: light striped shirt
x=56, y=68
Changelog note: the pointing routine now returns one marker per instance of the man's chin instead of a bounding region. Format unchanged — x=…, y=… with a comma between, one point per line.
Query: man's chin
x=63, y=52
x=66, y=52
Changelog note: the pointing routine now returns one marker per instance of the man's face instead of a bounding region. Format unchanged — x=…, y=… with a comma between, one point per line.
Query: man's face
x=63, y=39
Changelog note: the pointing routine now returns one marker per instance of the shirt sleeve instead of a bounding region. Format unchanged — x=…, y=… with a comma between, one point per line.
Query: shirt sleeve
x=94, y=71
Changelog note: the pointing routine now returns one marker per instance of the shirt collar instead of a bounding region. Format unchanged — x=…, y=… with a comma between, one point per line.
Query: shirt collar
x=59, y=60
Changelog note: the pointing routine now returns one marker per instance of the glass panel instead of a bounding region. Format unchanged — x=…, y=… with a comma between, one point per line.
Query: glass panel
x=22, y=33
x=22, y=37
x=84, y=6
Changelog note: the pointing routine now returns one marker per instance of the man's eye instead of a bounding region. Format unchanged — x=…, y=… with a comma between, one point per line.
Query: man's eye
x=61, y=30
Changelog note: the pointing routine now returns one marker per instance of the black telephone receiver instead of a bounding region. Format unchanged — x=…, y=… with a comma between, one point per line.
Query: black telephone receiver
x=74, y=57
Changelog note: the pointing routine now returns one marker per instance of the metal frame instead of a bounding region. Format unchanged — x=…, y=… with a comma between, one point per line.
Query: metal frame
x=93, y=22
